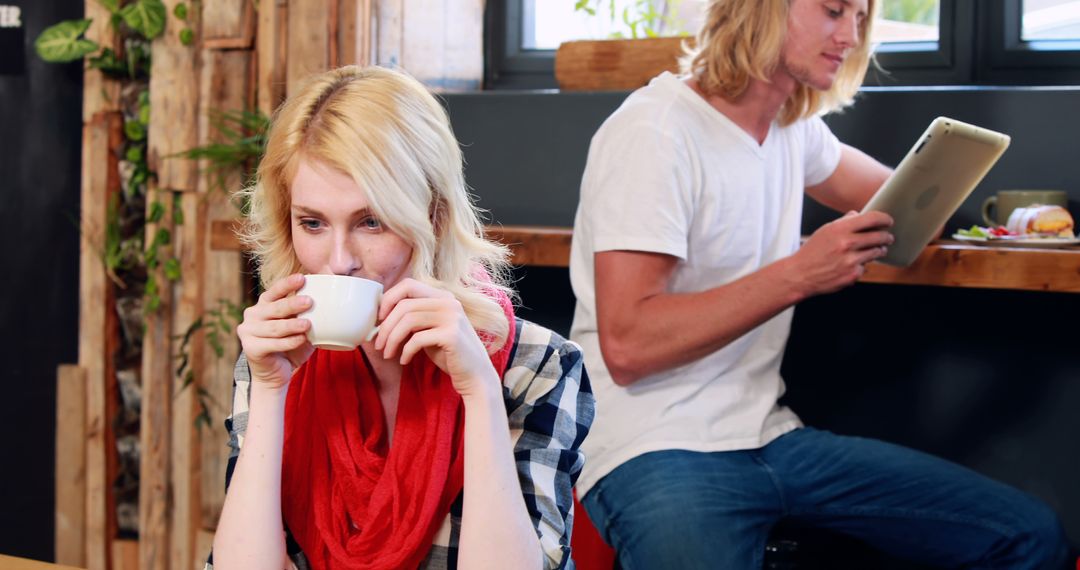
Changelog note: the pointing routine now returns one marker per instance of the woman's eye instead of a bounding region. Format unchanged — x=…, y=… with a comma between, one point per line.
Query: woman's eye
x=833, y=12
x=310, y=225
x=370, y=223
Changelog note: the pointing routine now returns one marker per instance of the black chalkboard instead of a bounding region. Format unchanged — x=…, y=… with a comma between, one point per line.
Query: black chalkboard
x=12, y=40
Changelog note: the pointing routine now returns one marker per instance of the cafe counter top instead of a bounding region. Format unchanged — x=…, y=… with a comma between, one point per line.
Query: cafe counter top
x=943, y=263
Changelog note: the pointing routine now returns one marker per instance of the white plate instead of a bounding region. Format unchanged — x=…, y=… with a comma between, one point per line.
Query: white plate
x=1020, y=242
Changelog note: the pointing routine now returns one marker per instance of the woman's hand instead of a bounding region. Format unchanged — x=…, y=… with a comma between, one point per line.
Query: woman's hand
x=418, y=317
x=273, y=338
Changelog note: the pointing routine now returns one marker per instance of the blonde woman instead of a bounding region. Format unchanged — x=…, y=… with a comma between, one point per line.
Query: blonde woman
x=686, y=264
x=450, y=439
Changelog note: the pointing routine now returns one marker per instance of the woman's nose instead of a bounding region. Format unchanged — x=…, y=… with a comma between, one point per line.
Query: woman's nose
x=342, y=261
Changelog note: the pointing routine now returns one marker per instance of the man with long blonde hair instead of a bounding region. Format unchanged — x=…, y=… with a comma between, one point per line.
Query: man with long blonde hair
x=686, y=263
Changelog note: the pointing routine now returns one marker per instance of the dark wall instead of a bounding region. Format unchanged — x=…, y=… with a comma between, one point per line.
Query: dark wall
x=40, y=120
x=989, y=379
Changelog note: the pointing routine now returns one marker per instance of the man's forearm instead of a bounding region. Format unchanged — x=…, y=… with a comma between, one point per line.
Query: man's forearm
x=670, y=329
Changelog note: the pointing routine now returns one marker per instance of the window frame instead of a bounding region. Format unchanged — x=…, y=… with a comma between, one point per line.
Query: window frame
x=979, y=43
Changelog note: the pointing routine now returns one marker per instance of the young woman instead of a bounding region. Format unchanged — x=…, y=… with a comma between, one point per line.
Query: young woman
x=449, y=440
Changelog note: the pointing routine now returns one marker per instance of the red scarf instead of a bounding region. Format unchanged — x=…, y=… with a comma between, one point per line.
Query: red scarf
x=349, y=499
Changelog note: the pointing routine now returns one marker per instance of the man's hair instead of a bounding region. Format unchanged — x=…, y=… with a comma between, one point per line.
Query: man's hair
x=744, y=39
x=384, y=130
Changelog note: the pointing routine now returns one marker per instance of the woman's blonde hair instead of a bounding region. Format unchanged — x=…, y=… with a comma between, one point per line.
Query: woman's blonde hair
x=385, y=130
x=744, y=39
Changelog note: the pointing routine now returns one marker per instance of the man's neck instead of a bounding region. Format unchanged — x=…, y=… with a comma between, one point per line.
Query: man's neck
x=756, y=109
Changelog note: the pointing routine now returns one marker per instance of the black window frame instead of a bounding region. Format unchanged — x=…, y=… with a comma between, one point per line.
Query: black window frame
x=979, y=44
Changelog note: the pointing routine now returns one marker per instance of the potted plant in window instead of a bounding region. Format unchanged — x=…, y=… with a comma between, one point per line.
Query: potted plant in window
x=651, y=43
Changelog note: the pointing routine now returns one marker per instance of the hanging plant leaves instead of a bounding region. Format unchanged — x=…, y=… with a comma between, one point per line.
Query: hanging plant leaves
x=146, y=17
x=172, y=269
x=111, y=5
x=134, y=130
x=109, y=64
x=63, y=42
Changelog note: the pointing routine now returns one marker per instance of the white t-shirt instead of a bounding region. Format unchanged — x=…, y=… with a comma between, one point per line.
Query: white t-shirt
x=668, y=173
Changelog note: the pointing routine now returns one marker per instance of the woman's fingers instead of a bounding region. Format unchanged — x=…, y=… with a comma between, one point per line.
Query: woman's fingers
x=409, y=324
x=278, y=328
x=261, y=347
x=409, y=289
x=401, y=309
x=282, y=288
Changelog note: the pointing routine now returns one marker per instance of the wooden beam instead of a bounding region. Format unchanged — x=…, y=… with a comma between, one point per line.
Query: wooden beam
x=222, y=281
x=184, y=477
x=174, y=104
x=156, y=411
x=389, y=20
x=125, y=554
x=309, y=40
x=100, y=94
x=351, y=33
x=103, y=138
x=228, y=24
x=271, y=49
x=70, y=527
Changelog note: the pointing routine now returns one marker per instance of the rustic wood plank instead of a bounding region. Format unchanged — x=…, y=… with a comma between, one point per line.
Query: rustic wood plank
x=102, y=141
x=70, y=527
x=308, y=39
x=353, y=45
x=184, y=451
x=204, y=543
x=365, y=32
x=174, y=104
x=222, y=279
x=610, y=65
x=156, y=413
x=228, y=24
x=389, y=19
x=125, y=554
x=463, y=36
x=423, y=52
x=99, y=93
x=271, y=47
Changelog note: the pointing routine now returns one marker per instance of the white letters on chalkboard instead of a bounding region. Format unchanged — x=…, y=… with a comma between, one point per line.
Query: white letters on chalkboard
x=10, y=17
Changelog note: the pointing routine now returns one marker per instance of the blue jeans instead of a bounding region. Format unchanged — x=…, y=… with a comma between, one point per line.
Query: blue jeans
x=684, y=509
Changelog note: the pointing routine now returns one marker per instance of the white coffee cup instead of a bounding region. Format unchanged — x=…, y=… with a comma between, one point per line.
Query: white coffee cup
x=343, y=310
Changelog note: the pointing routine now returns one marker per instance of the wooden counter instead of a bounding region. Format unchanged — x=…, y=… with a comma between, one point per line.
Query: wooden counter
x=945, y=263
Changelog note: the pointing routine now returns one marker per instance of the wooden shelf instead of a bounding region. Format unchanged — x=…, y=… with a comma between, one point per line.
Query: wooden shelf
x=944, y=263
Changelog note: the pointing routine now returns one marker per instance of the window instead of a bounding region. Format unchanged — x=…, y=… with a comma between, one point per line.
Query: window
x=919, y=42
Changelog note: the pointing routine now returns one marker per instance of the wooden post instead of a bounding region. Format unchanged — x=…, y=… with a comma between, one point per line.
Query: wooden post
x=70, y=528
x=389, y=17
x=228, y=24
x=174, y=104
x=154, y=423
x=310, y=22
x=222, y=277
x=102, y=139
x=271, y=52
x=125, y=554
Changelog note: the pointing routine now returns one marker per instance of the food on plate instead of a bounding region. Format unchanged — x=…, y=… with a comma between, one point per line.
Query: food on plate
x=1041, y=221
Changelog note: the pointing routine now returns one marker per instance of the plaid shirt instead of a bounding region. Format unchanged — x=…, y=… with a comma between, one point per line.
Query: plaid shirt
x=549, y=406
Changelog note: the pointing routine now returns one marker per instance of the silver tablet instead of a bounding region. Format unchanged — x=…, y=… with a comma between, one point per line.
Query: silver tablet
x=935, y=177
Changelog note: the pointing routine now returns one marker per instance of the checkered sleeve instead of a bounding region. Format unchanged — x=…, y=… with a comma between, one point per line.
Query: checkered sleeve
x=236, y=424
x=550, y=408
